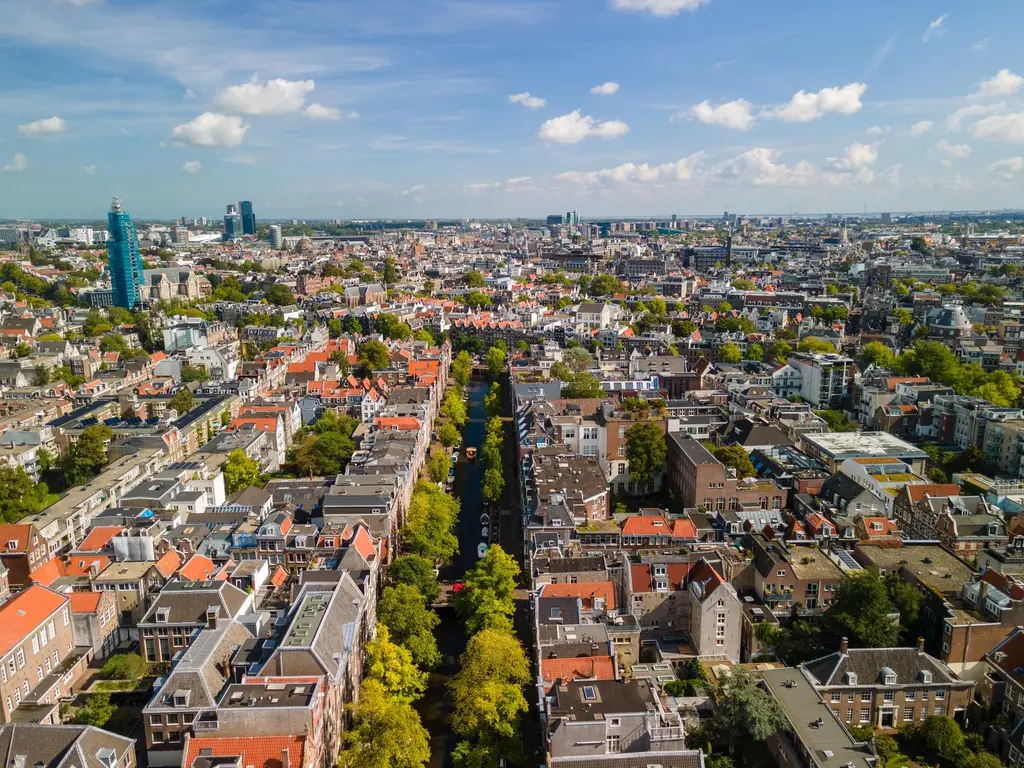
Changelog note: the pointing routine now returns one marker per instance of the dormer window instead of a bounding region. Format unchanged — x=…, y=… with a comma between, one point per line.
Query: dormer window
x=162, y=614
x=926, y=676
x=890, y=679
x=851, y=678
x=12, y=543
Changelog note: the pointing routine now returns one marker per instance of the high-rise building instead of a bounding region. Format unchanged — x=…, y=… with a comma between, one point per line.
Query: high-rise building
x=124, y=259
x=555, y=220
x=232, y=225
x=275, y=237
x=887, y=218
x=179, y=235
x=248, y=218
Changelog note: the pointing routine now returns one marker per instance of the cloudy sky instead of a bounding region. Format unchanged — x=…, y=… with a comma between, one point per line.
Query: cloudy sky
x=447, y=108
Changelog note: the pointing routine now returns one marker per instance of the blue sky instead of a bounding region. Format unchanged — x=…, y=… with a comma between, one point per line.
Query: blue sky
x=488, y=108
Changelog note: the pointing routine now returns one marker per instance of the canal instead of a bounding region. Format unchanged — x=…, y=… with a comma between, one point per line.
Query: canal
x=435, y=707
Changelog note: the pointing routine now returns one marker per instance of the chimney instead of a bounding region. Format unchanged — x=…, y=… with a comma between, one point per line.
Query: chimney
x=284, y=758
x=211, y=617
x=920, y=645
x=844, y=646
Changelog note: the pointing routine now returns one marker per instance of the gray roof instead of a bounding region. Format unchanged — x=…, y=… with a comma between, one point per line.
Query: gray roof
x=187, y=602
x=558, y=610
x=60, y=746
x=685, y=758
x=692, y=449
x=868, y=663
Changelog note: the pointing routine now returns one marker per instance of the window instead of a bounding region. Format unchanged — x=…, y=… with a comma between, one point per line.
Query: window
x=849, y=715
x=589, y=693
x=938, y=710
x=924, y=695
x=158, y=737
x=908, y=713
x=21, y=658
x=35, y=645
x=865, y=696
x=836, y=697
x=47, y=664
x=613, y=744
x=39, y=674
x=851, y=698
x=25, y=686
x=56, y=657
x=888, y=696
x=67, y=617
x=940, y=694
x=909, y=695
x=174, y=737
x=945, y=647
x=51, y=630
x=865, y=715
x=172, y=719
x=42, y=638
x=780, y=573
x=614, y=722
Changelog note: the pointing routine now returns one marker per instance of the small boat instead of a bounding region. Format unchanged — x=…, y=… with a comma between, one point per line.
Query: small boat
x=471, y=453
x=481, y=551
x=485, y=519
x=455, y=459
x=485, y=533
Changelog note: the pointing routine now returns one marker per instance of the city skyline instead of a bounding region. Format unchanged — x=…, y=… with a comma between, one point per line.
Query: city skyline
x=448, y=109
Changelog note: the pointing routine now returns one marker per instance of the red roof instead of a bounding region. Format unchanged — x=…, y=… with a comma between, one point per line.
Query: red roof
x=684, y=528
x=46, y=574
x=168, y=564
x=645, y=525
x=585, y=590
x=99, y=538
x=85, y=602
x=581, y=668
x=198, y=568
x=24, y=612
x=257, y=751
x=704, y=574
x=917, y=491
x=19, y=534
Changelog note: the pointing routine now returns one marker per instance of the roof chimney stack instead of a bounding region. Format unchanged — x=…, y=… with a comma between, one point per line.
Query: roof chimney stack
x=844, y=646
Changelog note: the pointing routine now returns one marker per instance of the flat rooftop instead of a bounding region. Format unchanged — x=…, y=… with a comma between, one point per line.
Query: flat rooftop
x=829, y=744
x=851, y=445
x=240, y=696
x=929, y=563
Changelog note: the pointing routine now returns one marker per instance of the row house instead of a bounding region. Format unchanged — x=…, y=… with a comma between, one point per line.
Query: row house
x=800, y=579
x=182, y=609
x=701, y=480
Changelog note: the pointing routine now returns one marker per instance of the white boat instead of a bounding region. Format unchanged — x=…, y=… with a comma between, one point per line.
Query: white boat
x=485, y=533
x=481, y=551
x=485, y=519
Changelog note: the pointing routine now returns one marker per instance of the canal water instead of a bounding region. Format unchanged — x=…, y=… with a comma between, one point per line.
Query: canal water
x=435, y=707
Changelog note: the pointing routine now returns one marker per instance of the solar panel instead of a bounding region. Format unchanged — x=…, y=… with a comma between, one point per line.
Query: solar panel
x=847, y=559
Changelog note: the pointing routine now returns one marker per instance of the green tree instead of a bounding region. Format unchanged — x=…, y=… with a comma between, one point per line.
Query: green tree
x=430, y=523
x=605, y=285
x=95, y=324
x=449, y=435
x=392, y=666
x=385, y=733
x=474, y=279
x=733, y=456
x=493, y=485
x=743, y=284
x=373, y=355
x=814, y=344
x=182, y=402
x=40, y=376
x=646, y=451
x=389, y=273
x=97, y=710
x=754, y=352
x=837, y=421
x=876, y=353
x=86, y=456
x=495, y=360
x=426, y=336
x=403, y=610
x=390, y=327
x=240, y=472
x=488, y=601
x=747, y=712
x=19, y=494
x=125, y=666
x=462, y=366
x=780, y=350
x=583, y=385
x=577, y=360
x=21, y=349
x=729, y=353
x=191, y=373
x=862, y=612
x=335, y=328
x=493, y=406
x=113, y=343
x=438, y=466
x=488, y=690
x=454, y=409
x=417, y=572
x=279, y=295
x=905, y=598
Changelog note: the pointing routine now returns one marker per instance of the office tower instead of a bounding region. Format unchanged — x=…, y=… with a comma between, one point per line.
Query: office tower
x=179, y=235
x=248, y=218
x=232, y=225
x=124, y=259
x=887, y=218
x=232, y=208
x=555, y=221
x=10, y=236
x=275, y=237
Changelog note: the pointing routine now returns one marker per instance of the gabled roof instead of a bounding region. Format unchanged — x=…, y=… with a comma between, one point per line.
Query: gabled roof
x=25, y=612
x=868, y=664
x=580, y=668
x=257, y=751
x=584, y=590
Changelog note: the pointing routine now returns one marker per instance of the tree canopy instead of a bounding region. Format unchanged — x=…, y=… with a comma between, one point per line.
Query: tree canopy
x=862, y=612
x=488, y=601
x=385, y=733
x=392, y=666
x=430, y=523
x=240, y=471
x=418, y=572
x=646, y=451
x=403, y=610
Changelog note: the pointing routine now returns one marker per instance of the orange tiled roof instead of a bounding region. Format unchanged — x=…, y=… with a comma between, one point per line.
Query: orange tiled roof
x=645, y=525
x=25, y=612
x=257, y=751
x=917, y=491
x=584, y=590
x=583, y=668
x=46, y=574
x=198, y=568
x=684, y=528
x=85, y=602
x=168, y=564
x=16, y=533
x=99, y=538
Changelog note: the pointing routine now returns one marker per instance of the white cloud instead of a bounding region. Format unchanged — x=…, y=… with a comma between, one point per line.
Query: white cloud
x=414, y=190
x=519, y=180
x=211, y=130
x=956, y=120
x=20, y=163
x=804, y=107
x=528, y=100
x=759, y=167
x=935, y=29
x=955, y=151
x=46, y=127
x=732, y=114
x=659, y=7
x=858, y=156
x=193, y=167
x=320, y=112
x=1008, y=168
x=83, y=3
x=1009, y=127
x=274, y=97
x=877, y=130
x=685, y=169
x=1003, y=83
x=483, y=186
x=242, y=160
x=575, y=127
x=605, y=89
x=90, y=170
x=919, y=129
x=980, y=45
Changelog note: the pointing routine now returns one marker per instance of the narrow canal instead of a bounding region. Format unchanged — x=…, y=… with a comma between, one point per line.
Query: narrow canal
x=435, y=708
